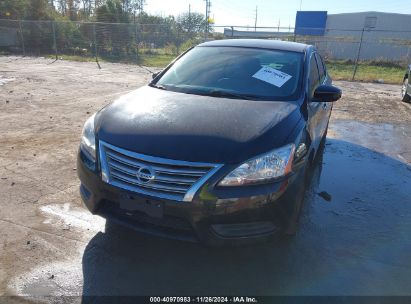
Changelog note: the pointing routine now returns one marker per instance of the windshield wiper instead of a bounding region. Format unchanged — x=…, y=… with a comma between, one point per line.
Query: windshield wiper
x=158, y=86
x=220, y=93
x=213, y=93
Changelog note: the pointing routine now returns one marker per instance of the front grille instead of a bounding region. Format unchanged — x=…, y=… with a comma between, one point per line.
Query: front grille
x=154, y=176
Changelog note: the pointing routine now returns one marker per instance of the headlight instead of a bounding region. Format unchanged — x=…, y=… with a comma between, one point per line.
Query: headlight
x=88, y=139
x=263, y=168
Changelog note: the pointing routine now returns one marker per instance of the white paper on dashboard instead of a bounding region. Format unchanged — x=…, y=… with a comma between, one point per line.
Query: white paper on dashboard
x=272, y=76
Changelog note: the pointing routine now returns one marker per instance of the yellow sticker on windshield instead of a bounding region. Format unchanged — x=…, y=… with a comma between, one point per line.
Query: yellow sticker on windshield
x=272, y=76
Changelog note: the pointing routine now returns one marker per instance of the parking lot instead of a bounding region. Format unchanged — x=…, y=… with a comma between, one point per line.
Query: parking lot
x=355, y=240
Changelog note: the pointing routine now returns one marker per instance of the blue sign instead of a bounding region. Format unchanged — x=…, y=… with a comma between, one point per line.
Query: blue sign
x=310, y=23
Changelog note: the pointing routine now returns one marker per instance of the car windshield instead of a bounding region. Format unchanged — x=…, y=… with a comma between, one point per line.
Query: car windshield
x=236, y=72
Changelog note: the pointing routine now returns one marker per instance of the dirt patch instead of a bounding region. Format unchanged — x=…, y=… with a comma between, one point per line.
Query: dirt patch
x=371, y=102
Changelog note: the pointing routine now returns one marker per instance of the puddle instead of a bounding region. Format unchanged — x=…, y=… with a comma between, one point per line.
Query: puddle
x=389, y=139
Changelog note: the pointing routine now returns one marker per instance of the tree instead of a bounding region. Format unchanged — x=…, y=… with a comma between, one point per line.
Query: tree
x=72, y=9
x=112, y=11
x=135, y=7
x=191, y=24
x=13, y=9
x=86, y=9
x=113, y=38
x=62, y=7
x=39, y=10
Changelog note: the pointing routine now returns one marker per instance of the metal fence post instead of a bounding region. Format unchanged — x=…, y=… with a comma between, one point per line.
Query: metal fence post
x=22, y=38
x=358, y=55
x=95, y=45
x=136, y=37
x=54, y=39
x=178, y=41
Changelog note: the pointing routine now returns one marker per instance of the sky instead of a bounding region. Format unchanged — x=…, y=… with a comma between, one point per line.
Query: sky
x=271, y=13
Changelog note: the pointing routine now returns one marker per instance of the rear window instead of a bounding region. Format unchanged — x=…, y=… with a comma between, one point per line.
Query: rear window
x=260, y=73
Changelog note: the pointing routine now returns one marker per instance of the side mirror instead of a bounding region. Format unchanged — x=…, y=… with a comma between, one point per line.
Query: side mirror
x=327, y=93
x=154, y=75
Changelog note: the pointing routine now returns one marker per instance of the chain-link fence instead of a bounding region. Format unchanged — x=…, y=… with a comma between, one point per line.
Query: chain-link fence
x=340, y=43
x=128, y=42
x=115, y=41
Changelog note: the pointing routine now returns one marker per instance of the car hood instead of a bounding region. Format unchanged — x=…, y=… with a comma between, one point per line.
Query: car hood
x=195, y=128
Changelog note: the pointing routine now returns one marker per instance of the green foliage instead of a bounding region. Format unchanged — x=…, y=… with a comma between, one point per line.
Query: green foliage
x=38, y=10
x=124, y=32
x=114, y=39
x=192, y=23
x=13, y=9
x=112, y=11
x=367, y=71
x=72, y=38
x=122, y=29
x=25, y=9
x=133, y=6
x=171, y=48
x=189, y=43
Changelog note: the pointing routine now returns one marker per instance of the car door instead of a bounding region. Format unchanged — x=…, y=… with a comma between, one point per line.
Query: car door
x=314, y=108
x=326, y=107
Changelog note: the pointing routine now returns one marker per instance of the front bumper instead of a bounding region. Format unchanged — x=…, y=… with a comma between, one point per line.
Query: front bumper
x=215, y=216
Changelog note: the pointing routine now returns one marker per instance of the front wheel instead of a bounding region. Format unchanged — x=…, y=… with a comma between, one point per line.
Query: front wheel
x=404, y=94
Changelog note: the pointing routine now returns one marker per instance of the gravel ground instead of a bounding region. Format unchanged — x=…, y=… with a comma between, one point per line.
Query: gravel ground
x=356, y=244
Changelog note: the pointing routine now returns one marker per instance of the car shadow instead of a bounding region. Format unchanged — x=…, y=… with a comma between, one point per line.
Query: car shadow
x=353, y=239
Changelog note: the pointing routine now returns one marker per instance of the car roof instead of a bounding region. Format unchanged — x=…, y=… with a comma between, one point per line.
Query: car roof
x=260, y=43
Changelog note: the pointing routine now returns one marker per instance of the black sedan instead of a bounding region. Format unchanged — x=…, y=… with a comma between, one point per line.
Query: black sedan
x=216, y=148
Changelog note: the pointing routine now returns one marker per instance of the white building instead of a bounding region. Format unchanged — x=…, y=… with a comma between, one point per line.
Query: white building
x=385, y=36
x=382, y=36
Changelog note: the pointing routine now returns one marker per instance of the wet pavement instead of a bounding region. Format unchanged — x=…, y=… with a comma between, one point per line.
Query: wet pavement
x=356, y=244
x=355, y=241
x=353, y=238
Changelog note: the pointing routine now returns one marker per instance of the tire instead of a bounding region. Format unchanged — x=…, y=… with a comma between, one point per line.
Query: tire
x=404, y=94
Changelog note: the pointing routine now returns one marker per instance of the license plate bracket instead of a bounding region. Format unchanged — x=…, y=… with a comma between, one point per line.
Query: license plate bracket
x=150, y=207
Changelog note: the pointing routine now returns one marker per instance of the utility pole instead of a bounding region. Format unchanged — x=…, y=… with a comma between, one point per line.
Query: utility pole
x=255, y=22
x=208, y=6
x=189, y=19
x=301, y=4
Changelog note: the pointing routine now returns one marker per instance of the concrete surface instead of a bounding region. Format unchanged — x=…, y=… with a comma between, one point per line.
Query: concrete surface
x=358, y=243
